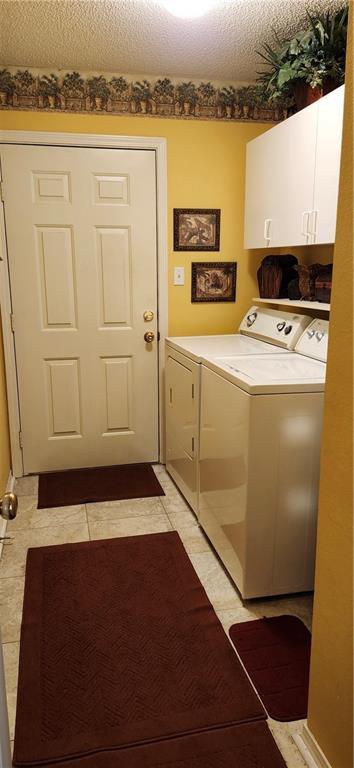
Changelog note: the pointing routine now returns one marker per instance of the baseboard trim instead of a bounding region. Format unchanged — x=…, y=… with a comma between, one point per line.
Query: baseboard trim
x=310, y=750
x=3, y=523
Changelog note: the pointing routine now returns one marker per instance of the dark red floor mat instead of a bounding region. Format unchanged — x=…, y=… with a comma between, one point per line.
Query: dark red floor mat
x=121, y=646
x=276, y=655
x=80, y=486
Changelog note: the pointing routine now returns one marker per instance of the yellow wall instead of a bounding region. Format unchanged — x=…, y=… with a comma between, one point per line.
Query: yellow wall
x=4, y=429
x=330, y=716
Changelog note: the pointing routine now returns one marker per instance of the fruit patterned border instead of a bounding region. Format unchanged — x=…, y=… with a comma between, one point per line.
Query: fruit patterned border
x=27, y=89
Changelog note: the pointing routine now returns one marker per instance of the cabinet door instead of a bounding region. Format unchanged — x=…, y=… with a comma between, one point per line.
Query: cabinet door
x=280, y=172
x=293, y=177
x=182, y=424
x=329, y=143
x=259, y=203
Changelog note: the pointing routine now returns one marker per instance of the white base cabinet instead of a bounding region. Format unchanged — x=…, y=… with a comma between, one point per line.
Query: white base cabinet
x=292, y=178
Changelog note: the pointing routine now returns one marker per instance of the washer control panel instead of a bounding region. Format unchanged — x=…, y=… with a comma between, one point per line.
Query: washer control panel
x=280, y=328
x=314, y=340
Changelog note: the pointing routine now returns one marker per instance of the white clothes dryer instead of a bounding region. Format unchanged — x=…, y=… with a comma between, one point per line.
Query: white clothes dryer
x=260, y=437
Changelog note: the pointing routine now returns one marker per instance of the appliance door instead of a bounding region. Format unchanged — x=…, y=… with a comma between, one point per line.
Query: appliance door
x=182, y=414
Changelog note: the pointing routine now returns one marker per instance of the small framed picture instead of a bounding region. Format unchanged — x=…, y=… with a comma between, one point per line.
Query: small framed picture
x=196, y=229
x=214, y=281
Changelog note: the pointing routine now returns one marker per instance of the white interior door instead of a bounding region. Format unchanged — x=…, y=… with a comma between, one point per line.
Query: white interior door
x=81, y=234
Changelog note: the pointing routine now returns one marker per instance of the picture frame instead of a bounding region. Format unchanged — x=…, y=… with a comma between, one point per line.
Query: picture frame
x=196, y=229
x=214, y=281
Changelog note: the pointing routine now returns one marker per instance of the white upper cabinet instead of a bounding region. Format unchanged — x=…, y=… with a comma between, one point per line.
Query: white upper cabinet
x=292, y=177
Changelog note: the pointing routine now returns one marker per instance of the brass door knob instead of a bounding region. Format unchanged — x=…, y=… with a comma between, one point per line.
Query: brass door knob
x=8, y=506
x=149, y=336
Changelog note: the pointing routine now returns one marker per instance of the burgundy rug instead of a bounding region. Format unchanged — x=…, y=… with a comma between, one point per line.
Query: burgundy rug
x=250, y=745
x=80, y=486
x=276, y=655
x=120, y=646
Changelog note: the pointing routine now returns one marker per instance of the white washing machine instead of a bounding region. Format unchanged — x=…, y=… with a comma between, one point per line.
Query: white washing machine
x=262, y=332
x=260, y=436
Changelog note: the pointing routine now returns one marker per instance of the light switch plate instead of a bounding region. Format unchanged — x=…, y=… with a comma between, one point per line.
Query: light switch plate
x=178, y=276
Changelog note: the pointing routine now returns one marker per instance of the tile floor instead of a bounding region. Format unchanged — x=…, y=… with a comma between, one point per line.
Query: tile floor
x=35, y=528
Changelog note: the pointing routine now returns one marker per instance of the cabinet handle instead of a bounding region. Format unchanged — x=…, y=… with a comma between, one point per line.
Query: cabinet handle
x=313, y=223
x=305, y=223
x=170, y=395
x=267, y=229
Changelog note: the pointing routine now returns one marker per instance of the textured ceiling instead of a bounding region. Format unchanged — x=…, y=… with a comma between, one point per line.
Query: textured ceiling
x=140, y=36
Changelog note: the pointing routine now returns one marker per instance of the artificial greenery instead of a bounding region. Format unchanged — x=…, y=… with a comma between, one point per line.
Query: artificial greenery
x=315, y=56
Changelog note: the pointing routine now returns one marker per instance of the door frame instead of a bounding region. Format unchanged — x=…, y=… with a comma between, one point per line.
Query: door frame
x=44, y=138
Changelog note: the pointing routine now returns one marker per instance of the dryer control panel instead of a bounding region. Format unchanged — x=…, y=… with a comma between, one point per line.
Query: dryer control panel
x=273, y=326
x=314, y=341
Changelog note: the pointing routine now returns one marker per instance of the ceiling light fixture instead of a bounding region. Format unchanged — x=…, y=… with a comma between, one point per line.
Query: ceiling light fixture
x=188, y=9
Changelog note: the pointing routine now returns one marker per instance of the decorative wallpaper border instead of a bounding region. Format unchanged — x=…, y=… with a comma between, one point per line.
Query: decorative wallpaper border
x=123, y=95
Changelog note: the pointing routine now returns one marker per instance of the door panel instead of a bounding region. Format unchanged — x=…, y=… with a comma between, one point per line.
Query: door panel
x=81, y=230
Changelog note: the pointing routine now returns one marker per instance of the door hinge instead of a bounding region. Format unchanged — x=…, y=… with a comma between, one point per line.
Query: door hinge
x=158, y=335
x=12, y=321
x=20, y=438
x=192, y=391
x=2, y=192
x=192, y=444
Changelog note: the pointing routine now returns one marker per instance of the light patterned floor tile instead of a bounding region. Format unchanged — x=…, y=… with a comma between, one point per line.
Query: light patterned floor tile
x=216, y=583
x=27, y=486
x=300, y=606
x=182, y=518
x=159, y=469
x=13, y=561
x=43, y=537
x=28, y=516
x=115, y=510
x=193, y=538
x=129, y=526
x=173, y=502
x=14, y=554
x=11, y=601
x=282, y=733
x=11, y=655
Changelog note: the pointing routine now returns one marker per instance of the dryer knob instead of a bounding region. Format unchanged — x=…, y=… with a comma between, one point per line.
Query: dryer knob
x=251, y=318
x=288, y=329
x=281, y=326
